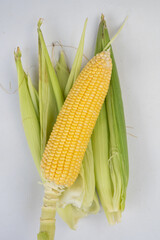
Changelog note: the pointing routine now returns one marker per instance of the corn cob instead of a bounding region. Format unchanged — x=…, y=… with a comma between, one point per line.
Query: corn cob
x=61, y=161
x=71, y=133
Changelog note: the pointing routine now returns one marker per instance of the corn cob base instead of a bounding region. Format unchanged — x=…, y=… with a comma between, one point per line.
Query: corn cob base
x=48, y=211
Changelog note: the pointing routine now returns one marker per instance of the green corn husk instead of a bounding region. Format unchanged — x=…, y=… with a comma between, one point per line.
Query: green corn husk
x=53, y=77
x=62, y=71
x=76, y=67
x=80, y=199
x=34, y=96
x=48, y=110
x=29, y=109
x=110, y=143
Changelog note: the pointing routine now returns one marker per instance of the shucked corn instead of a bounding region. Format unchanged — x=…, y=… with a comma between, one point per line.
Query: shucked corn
x=68, y=141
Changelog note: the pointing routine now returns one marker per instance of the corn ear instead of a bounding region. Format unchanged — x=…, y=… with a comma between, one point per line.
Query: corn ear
x=28, y=111
x=65, y=149
x=110, y=143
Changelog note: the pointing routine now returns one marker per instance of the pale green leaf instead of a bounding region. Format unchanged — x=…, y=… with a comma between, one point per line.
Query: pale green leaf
x=47, y=102
x=51, y=71
x=42, y=236
x=101, y=152
x=76, y=67
x=34, y=96
x=110, y=143
x=62, y=71
x=29, y=116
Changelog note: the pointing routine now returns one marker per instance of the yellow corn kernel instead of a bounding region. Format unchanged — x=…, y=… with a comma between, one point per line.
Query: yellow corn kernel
x=68, y=141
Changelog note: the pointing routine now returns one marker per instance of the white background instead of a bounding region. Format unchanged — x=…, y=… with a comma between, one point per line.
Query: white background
x=137, y=53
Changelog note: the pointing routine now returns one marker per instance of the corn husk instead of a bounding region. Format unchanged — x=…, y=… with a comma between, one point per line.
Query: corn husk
x=53, y=77
x=34, y=96
x=48, y=108
x=110, y=143
x=76, y=67
x=62, y=71
x=29, y=109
